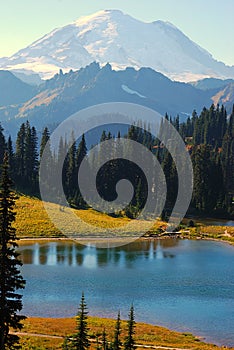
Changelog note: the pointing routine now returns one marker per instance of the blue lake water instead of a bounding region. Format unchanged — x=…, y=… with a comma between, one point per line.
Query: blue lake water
x=181, y=284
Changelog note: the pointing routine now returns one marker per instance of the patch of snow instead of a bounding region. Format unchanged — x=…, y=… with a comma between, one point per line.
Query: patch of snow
x=132, y=92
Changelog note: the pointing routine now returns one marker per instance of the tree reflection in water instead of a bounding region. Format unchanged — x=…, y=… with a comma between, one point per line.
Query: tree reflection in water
x=72, y=254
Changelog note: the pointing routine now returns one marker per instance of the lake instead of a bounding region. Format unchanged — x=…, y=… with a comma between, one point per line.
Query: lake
x=180, y=284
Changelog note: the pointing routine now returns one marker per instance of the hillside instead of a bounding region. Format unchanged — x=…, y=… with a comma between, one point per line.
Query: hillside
x=32, y=222
x=13, y=90
x=225, y=96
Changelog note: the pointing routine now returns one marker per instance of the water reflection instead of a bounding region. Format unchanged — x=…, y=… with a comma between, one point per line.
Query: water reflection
x=72, y=254
x=184, y=285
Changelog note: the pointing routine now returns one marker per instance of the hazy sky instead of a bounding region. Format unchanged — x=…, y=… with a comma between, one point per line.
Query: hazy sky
x=207, y=22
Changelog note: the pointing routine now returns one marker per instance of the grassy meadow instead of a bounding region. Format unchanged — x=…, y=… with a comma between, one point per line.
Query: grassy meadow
x=145, y=334
x=33, y=222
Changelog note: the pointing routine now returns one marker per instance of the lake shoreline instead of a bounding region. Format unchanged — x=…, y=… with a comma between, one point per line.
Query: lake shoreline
x=26, y=240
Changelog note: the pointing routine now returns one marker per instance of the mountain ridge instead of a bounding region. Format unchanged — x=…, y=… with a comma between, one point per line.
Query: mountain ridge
x=64, y=94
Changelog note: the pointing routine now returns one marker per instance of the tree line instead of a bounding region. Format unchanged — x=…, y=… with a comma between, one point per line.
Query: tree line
x=208, y=138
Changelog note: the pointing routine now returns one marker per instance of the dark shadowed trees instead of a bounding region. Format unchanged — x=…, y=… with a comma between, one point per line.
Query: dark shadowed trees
x=10, y=278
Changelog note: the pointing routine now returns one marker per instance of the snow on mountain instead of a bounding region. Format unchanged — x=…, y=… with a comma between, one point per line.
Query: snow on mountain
x=114, y=37
x=130, y=91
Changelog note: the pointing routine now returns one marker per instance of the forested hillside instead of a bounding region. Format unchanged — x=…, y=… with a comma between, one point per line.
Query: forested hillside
x=209, y=138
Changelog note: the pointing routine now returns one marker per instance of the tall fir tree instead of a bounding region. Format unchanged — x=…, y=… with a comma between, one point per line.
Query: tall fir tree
x=10, y=277
x=104, y=340
x=44, y=139
x=71, y=175
x=227, y=158
x=49, y=159
x=80, y=339
x=10, y=153
x=81, y=151
x=80, y=155
x=34, y=154
x=117, y=342
x=30, y=157
x=129, y=343
x=20, y=153
x=2, y=144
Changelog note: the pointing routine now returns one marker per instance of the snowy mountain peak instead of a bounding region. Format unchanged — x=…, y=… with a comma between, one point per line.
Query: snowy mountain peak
x=101, y=15
x=123, y=41
x=166, y=24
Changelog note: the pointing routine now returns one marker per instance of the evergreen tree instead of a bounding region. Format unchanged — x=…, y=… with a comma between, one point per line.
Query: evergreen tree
x=97, y=343
x=104, y=340
x=80, y=155
x=103, y=136
x=177, y=123
x=66, y=344
x=45, y=138
x=171, y=178
x=34, y=153
x=49, y=166
x=204, y=181
x=31, y=157
x=20, y=153
x=227, y=158
x=28, y=164
x=199, y=125
x=49, y=160
x=71, y=175
x=2, y=145
x=10, y=153
x=129, y=343
x=81, y=152
x=80, y=339
x=132, y=133
x=117, y=342
x=10, y=278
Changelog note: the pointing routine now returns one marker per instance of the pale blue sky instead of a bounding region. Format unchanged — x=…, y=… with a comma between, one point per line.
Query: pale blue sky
x=207, y=22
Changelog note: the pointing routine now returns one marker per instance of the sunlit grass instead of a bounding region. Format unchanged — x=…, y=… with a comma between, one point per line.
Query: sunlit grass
x=145, y=334
x=32, y=221
x=206, y=231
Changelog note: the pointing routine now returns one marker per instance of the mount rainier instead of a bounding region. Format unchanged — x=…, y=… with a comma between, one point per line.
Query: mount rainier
x=111, y=36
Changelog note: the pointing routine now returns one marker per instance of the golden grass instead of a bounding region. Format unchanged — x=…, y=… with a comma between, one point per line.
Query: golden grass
x=32, y=221
x=206, y=231
x=145, y=334
x=44, y=98
x=39, y=343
